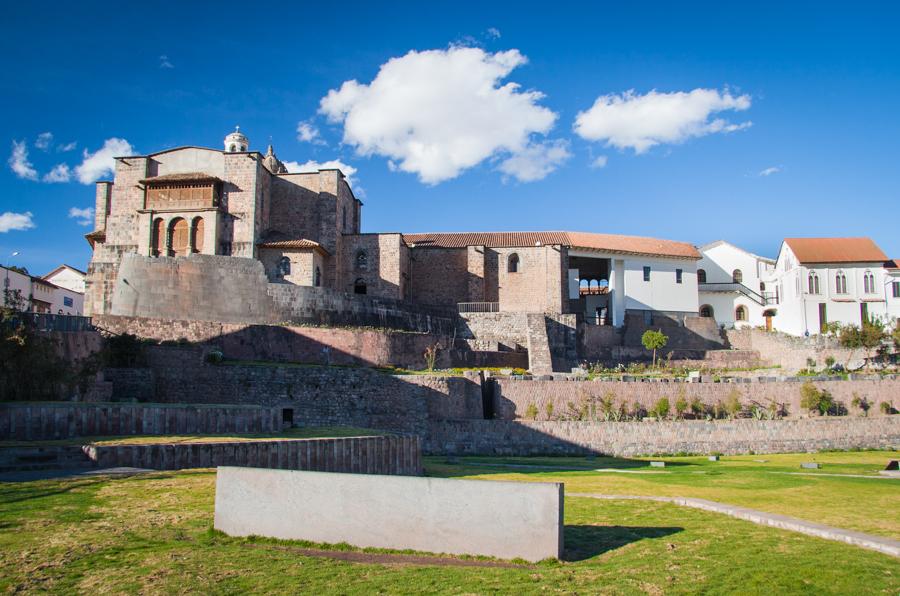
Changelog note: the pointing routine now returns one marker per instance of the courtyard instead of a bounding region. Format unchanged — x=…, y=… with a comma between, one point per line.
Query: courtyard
x=152, y=533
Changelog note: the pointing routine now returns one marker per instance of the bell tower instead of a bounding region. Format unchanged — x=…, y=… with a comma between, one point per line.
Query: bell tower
x=236, y=141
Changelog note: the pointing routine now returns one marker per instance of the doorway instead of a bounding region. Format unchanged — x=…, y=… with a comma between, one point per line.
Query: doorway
x=863, y=313
x=823, y=317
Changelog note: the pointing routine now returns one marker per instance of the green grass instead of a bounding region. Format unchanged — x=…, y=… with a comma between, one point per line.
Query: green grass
x=765, y=482
x=152, y=534
x=312, y=432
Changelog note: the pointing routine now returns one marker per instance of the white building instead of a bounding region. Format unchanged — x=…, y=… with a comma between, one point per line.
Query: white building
x=41, y=296
x=732, y=286
x=892, y=286
x=823, y=280
x=66, y=276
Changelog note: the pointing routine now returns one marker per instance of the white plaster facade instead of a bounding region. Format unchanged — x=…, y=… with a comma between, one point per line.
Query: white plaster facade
x=735, y=285
x=847, y=291
x=40, y=295
x=66, y=276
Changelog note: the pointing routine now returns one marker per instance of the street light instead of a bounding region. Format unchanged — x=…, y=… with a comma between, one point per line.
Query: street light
x=6, y=281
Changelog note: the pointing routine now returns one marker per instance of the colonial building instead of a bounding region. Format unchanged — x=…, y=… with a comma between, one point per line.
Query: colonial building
x=39, y=294
x=733, y=288
x=66, y=276
x=305, y=230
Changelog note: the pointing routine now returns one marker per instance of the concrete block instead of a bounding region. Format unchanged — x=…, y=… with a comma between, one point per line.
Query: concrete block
x=473, y=517
x=657, y=464
x=810, y=466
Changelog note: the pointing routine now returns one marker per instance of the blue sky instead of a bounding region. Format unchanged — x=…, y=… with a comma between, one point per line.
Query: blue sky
x=808, y=93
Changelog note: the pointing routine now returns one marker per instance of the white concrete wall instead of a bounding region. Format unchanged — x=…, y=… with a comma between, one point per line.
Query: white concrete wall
x=464, y=517
x=190, y=159
x=720, y=260
x=67, y=278
x=661, y=292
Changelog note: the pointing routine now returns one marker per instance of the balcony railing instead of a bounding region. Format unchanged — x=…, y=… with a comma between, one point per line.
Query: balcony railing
x=761, y=299
x=478, y=307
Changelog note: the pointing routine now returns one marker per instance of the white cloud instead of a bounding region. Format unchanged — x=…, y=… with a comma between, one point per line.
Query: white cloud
x=770, y=171
x=493, y=33
x=83, y=217
x=439, y=112
x=638, y=122
x=308, y=133
x=18, y=162
x=102, y=162
x=164, y=62
x=67, y=147
x=15, y=221
x=295, y=167
x=600, y=162
x=59, y=173
x=536, y=161
x=44, y=140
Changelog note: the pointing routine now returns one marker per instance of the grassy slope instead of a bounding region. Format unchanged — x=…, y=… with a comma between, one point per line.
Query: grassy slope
x=151, y=533
x=866, y=505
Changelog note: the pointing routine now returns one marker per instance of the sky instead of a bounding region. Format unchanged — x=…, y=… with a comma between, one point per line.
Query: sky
x=693, y=122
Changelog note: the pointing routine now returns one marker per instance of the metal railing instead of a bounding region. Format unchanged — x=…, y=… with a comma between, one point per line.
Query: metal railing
x=64, y=323
x=478, y=307
x=761, y=299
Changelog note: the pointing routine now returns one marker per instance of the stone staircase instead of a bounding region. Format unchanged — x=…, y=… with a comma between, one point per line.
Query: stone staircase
x=45, y=457
x=540, y=358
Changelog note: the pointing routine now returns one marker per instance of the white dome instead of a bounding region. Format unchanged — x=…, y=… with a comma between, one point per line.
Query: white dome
x=236, y=141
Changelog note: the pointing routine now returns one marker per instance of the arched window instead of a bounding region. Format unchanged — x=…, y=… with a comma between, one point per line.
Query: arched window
x=512, y=264
x=701, y=276
x=284, y=268
x=813, y=282
x=740, y=313
x=840, y=283
x=706, y=311
x=178, y=237
x=158, y=237
x=197, y=235
x=869, y=282
x=359, y=286
x=762, y=286
x=317, y=277
x=233, y=148
x=737, y=276
x=362, y=260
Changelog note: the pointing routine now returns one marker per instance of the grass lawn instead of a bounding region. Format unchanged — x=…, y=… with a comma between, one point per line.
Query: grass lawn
x=151, y=533
x=773, y=483
x=293, y=433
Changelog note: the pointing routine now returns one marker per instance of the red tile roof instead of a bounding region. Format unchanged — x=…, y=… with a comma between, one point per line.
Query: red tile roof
x=636, y=245
x=836, y=250
x=302, y=243
x=893, y=264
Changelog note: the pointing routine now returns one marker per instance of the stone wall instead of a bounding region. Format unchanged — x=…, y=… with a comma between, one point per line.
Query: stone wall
x=44, y=421
x=355, y=455
x=628, y=439
x=790, y=352
x=438, y=276
x=235, y=290
x=684, y=332
x=312, y=345
x=513, y=397
x=319, y=396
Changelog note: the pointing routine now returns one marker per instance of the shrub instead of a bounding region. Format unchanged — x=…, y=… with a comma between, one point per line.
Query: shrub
x=861, y=403
x=531, y=412
x=654, y=340
x=813, y=399
x=549, y=410
x=661, y=408
x=829, y=361
x=637, y=411
x=214, y=357
x=886, y=408
x=431, y=353
x=733, y=405
x=697, y=407
x=867, y=337
x=681, y=406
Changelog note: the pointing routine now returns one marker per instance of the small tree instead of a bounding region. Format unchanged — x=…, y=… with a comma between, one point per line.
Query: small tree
x=681, y=406
x=431, y=353
x=697, y=407
x=733, y=406
x=862, y=403
x=661, y=408
x=816, y=400
x=654, y=340
x=531, y=412
x=867, y=337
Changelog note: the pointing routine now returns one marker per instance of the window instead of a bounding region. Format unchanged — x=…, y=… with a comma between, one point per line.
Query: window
x=737, y=276
x=678, y=276
x=740, y=313
x=813, y=282
x=701, y=276
x=512, y=264
x=840, y=283
x=869, y=282
x=67, y=301
x=197, y=235
x=178, y=237
x=284, y=268
x=362, y=260
x=706, y=311
x=317, y=277
x=158, y=237
x=359, y=286
x=896, y=289
x=647, y=273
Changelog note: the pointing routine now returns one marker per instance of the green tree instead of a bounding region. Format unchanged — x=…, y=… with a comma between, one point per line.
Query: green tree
x=654, y=340
x=867, y=337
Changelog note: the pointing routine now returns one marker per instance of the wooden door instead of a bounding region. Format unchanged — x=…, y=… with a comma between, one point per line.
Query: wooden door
x=768, y=321
x=179, y=240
